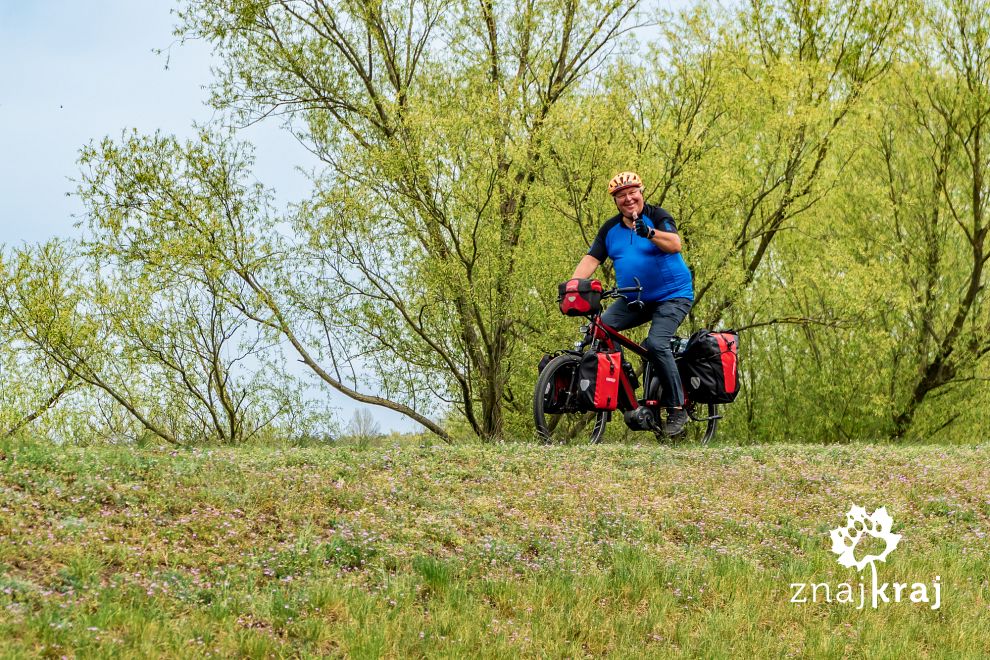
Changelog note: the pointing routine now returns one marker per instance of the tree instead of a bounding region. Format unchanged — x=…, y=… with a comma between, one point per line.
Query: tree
x=169, y=353
x=935, y=167
x=32, y=385
x=804, y=68
x=45, y=296
x=363, y=428
x=434, y=119
x=185, y=211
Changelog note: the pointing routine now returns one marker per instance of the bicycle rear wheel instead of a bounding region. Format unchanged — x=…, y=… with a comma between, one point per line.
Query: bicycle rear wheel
x=701, y=427
x=558, y=419
x=704, y=422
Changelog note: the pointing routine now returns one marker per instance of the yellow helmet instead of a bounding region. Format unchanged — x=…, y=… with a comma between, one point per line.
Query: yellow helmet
x=624, y=180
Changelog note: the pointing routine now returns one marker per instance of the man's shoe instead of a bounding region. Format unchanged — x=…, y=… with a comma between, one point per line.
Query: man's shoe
x=677, y=418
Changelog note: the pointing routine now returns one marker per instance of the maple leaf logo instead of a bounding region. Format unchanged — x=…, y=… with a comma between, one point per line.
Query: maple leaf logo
x=858, y=522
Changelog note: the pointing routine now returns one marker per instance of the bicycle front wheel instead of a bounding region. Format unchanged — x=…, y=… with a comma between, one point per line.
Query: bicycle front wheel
x=558, y=419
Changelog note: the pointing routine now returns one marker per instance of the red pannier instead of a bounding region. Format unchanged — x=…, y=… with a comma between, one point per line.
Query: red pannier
x=578, y=297
x=709, y=367
x=598, y=380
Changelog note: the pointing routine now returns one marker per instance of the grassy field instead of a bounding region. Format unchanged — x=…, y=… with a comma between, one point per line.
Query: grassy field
x=467, y=551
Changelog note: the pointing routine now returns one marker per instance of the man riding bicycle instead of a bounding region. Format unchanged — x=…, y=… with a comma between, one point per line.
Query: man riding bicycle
x=643, y=243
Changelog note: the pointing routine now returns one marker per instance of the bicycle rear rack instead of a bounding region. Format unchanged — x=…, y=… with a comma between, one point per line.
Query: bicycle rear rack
x=702, y=419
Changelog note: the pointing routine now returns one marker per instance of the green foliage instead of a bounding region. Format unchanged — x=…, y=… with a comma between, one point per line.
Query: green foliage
x=822, y=159
x=436, y=120
x=32, y=384
x=142, y=348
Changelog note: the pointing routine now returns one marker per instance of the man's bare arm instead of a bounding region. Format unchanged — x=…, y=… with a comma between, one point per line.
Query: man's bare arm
x=667, y=241
x=586, y=267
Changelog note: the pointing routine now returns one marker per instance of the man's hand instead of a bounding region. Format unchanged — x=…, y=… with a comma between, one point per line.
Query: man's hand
x=642, y=229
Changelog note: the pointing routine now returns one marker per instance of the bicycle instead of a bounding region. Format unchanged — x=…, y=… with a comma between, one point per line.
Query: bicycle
x=558, y=415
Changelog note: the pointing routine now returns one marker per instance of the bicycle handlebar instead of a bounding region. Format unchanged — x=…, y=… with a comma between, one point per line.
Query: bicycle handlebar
x=620, y=291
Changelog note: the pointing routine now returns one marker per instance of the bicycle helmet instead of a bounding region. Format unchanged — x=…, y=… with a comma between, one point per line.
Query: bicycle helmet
x=624, y=180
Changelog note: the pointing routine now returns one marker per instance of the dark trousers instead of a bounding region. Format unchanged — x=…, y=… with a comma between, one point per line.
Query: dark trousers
x=666, y=316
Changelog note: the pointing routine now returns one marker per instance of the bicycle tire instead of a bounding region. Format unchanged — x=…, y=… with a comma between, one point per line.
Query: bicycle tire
x=703, y=434
x=567, y=425
x=712, y=424
x=694, y=431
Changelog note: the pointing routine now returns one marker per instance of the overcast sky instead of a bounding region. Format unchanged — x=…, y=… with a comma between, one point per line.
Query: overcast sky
x=74, y=71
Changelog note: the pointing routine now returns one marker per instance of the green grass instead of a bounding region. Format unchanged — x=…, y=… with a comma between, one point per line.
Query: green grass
x=468, y=551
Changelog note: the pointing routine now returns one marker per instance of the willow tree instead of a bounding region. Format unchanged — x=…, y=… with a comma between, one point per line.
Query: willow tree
x=744, y=122
x=141, y=354
x=934, y=163
x=46, y=297
x=434, y=119
x=803, y=70
x=30, y=384
x=183, y=261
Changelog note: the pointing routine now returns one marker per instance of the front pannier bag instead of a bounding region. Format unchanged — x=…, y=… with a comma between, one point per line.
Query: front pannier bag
x=579, y=297
x=709, y=367
x=598, y=380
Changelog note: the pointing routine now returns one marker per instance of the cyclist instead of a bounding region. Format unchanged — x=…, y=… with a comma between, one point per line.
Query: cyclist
x=643, y=243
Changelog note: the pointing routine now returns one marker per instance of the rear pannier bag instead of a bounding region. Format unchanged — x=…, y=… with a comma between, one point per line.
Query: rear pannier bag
x=709, y=367
x=598, y=380
x=578, y=297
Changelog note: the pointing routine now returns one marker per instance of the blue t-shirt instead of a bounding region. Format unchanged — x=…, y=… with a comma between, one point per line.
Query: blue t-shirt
x=664, y=275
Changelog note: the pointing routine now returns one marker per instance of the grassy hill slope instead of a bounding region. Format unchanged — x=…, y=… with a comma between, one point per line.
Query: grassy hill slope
x=467, y=551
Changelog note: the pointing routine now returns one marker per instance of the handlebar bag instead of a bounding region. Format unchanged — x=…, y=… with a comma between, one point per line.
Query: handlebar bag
x=598, y=380
x=580, y=297
x=709, y=366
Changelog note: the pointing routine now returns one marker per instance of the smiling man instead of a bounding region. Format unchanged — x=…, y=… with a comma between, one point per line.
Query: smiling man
x=642, y=242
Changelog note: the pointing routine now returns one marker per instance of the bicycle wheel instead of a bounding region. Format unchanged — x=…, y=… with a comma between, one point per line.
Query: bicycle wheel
x=555, y=412
x=704, y=422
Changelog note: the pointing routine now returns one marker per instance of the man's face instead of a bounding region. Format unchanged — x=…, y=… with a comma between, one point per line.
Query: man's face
x=629, y=201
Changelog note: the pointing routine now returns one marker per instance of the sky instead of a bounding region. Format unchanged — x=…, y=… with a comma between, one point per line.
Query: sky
x=72, y=72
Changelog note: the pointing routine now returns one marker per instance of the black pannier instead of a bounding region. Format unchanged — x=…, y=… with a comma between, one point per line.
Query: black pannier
x=578, y=297
x=598, y=380
x=709, y=366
